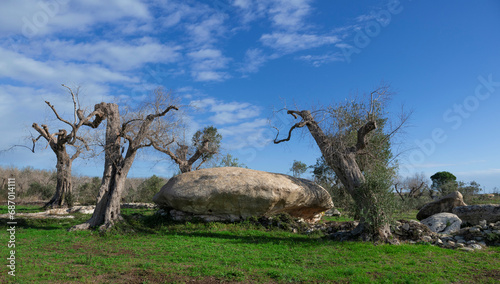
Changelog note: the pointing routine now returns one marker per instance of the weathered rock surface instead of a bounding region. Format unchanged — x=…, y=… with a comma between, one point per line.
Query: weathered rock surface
x=442, y=205
x=443, y=223
x=236, y=193
x=473, y=214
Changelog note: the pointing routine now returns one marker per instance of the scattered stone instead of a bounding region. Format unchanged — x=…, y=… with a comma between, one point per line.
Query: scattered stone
x=406, y=227
x=138, y=205
x=236, y=194
x=474, y=214
x=475, y=246
x=443, y=223
x=467, y=249
x=333, y=213
x=427, y=239
x=444, y=204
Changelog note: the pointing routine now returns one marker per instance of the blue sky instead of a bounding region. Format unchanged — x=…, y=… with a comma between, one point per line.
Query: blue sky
x=239, y=59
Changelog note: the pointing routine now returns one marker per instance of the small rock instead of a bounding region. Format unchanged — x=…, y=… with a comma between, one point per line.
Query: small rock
x=471, y=242
x=467, y=249
x=438, y=242
x=460, y=245
x=406, y=226
x=475, y=246
x=427, y=239
x=474, y=230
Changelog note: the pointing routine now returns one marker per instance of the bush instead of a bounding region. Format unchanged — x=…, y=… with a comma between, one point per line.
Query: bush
x=41, y=191
x=86, y=193
x=376, y=203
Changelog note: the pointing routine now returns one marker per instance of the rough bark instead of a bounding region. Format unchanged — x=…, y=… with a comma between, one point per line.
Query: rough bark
x=62, y=197
x=116, y=167
x=343, y=162
x=58, y=143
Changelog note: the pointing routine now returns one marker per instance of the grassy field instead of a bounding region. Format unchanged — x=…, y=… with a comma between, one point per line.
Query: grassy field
x=149, y=250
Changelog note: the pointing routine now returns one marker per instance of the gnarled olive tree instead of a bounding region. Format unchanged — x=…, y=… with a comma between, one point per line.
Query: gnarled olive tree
x=205, y=144
x=58, y=143
x=345, y=136
x=119, y=157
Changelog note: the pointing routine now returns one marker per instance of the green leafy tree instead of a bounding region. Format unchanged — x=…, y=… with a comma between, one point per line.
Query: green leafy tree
x=229, y=161
x=444, y=182
x=298, y=168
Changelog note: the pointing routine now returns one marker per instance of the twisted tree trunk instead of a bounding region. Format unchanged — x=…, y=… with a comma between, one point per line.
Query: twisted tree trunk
x=62, y=196
x=343, y=163
x=107, y=212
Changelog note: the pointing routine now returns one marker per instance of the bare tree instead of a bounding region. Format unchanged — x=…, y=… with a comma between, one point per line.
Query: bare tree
x=206, y=143
x=59, y=142
x=412, y=187
x=344, y=135
x=135, y=131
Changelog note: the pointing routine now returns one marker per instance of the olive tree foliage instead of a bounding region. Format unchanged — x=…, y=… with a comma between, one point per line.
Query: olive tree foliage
x=58, y=142
x=124, y=137
x=354, y=139
x=205, y=143
x=298, y=168
x=229, y=161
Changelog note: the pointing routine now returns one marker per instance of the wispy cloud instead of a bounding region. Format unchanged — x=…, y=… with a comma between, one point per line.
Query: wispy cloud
x=254, y=59
x=52, y=72
x=227, y=113
x=318, y=60
x=117, y=55
x=292, y=42
x=206, y=64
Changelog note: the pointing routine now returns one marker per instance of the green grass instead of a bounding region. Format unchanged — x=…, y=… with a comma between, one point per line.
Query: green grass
x=146, y=249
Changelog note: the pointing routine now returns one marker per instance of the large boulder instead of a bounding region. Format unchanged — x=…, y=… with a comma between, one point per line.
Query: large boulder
x=237, y=193
x=444, y=204
x=473, y=214
x=443, y=223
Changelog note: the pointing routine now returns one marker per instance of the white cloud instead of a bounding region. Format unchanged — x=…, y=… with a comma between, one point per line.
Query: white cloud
x=292, y=42
x=254, y=59
x=283, y=14
x=34, y=18
x=227, y=113
x=207, y=30
x=205, y=65
x=253, y=134
x=21, y=68
x=289, y=14
x=318, y=60
x=118, y=55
